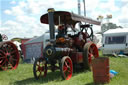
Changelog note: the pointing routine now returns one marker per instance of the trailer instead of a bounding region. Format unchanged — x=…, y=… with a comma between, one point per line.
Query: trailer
x=115, y=41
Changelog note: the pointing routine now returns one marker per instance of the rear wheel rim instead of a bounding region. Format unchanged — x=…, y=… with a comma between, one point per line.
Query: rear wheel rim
x=90, y=53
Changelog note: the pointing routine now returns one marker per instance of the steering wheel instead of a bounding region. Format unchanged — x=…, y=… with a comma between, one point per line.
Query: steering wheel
x=88, y=30
x=4, y=37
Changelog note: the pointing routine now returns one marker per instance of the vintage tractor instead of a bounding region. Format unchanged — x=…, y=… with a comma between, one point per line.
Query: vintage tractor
x=9, y=55
x=67, y=50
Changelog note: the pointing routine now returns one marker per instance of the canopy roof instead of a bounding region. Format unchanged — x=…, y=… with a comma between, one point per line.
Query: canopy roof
x=67, y=18
x=35, y=40
x=116, y=31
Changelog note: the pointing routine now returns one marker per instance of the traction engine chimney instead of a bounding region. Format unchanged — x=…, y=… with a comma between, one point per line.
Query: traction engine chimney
x=51, y=23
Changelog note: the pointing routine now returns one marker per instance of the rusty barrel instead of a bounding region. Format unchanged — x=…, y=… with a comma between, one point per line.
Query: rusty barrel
x=100, y=68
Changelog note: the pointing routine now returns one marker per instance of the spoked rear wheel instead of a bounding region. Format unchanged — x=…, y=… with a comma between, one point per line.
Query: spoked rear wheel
x=90, y=52
x=66, y=67
x=40, y=68
x=9, y=56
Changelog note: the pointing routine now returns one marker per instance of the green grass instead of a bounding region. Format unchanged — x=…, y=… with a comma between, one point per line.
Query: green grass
x=23, y=75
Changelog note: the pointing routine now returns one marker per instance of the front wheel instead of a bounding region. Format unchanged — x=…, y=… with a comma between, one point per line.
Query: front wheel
x=40, y=68
x=66, y=67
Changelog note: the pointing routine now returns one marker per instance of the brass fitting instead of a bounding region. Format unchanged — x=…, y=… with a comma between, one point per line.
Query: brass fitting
x=51, y=10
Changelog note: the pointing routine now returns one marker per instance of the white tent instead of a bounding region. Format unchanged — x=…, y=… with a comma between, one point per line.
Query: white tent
x=35, y=40
x=34, y=47
x=97, y=39
x=17, y=44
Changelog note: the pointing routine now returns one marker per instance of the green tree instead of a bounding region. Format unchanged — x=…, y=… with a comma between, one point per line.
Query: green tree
x=107, y=26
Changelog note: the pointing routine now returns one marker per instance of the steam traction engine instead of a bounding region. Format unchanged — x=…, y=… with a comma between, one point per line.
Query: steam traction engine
x=67, y=49
x=9, y=55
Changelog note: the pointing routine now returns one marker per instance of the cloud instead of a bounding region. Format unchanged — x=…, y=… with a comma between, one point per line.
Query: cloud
x=13, y=2
x=124, y=10
x=89, y=5
x=101, y=8
x=124, y=0
x=10, y=23
x=119, y=13
x=123, y=18
x=26, y=14
x=112, y=6
x=109, y=6
x=37, y=6
x=17, y=10
x=16, y=29
x=0, y=23
x=7, y=12
x=34, y=7
x=65, y=4
x=26, y=17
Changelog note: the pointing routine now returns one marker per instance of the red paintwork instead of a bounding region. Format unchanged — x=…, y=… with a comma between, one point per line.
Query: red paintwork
x=24, y=40
x=93, y=52
x=80, y=43
x=77, y=57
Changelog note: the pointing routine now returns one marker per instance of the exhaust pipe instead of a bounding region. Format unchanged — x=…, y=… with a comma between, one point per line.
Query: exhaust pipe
x=51, y=23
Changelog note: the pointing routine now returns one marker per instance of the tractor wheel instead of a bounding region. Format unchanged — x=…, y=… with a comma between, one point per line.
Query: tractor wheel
x=40, y=68
x=9, y=56
x=66, y=67
x=90, y=52
x=2, y=59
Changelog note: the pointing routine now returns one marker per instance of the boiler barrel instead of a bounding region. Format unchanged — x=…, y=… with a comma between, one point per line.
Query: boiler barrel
x=52, y=52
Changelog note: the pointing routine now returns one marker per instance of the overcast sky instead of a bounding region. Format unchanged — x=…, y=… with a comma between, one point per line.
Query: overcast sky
x=21, y=18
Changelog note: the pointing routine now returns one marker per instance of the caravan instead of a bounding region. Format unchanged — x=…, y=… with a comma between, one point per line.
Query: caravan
x=115, y=41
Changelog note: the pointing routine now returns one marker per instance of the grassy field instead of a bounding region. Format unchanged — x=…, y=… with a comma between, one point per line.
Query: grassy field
x=23, y=75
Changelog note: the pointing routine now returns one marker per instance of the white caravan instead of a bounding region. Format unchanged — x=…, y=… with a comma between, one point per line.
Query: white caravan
x=115, y=41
